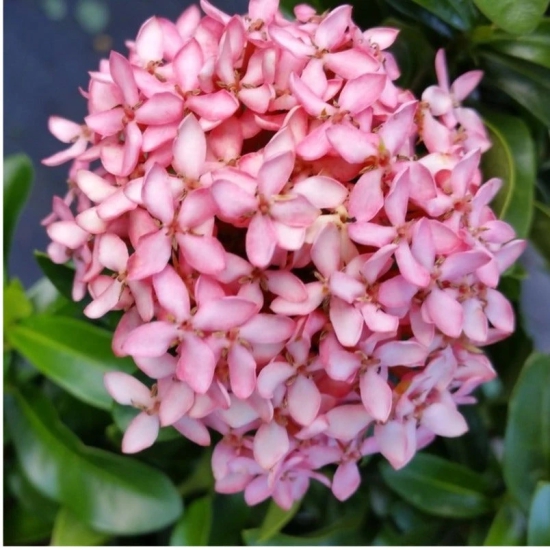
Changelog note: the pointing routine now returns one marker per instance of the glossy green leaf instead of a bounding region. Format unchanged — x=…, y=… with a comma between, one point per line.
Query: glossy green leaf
x=538, y=529
x=457, y=13
x=540, y=230
x=61, y=275
x=230, y=516
x=68, y=530
x=533, y=47
x=24, y=527
x=29, y=498
x=526, y=83
x=419, y=15
x=16, y=304
x=515, y=16
x=18, y=175
x=508, y=527
x=110, y=493
x=275, y=520
x=511, y=158
x=193, y=528
x=527, y=441
x=439, y=487
x=413, y=53
x=72, y=353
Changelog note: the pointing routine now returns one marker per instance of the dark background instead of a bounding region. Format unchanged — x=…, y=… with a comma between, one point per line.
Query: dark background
x=49, y=47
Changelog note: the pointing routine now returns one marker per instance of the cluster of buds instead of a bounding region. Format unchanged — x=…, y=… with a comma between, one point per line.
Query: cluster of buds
x=304, y=252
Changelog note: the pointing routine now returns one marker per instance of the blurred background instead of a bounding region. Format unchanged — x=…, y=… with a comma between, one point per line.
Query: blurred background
x=49, y=47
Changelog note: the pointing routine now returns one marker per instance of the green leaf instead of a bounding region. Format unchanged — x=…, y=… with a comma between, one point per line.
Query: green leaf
x=72, y=353
x=538, y=530
x=16, y=304
x=533, y=47
x=540, y=230
x=61, y=275
x=275, y=520
x=110, y=493
x=511, y=158
x=439, y=487
x=18, y=175
x=32, y=500
x=526, y=83
x=414, y=54
x=515, y=16
x=23, y=527
x=193, y=528
x=68, y=530
x=456, y=13
x=508, y=527
x=527, y=440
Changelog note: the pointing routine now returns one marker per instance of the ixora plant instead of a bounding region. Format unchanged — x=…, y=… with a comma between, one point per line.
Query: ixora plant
x=301, y=256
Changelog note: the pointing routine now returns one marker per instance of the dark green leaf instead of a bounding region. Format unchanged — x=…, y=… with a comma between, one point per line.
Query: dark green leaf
x=456, y=13
x=23, y=527
x=511, y=158
x=110, y=493
x=508, y=527
x=193, y=528
x=18, y=175
x=230, y=515
x=68, y=530
x=533, y=47
x=275, y=520
x=515, y=16
x=32, y=500
x=414, y=54
x=61, y=275
x=538, y=529
x=439, y=487
x=526, y=83
x=72, y=353
x=540, y=230
x=419, y=15
x=527, y=441
x=16, y=303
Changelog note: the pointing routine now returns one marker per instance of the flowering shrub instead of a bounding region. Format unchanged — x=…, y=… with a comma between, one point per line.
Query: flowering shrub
x=304, y=251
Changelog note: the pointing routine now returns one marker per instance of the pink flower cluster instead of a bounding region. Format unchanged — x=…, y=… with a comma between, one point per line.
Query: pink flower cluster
x=304, y=252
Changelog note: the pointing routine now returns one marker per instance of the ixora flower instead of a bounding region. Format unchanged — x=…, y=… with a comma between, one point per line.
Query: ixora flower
x=304, y=252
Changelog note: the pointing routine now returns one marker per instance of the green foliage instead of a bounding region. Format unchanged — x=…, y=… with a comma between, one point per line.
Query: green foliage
x=68, y=530
x=527, y=443
x=193, y=528
x=514, y=16
x=538, y=530
x=18, y=175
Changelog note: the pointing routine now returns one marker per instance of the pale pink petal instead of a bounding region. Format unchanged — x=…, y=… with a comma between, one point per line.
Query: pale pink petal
x=105, y=302
x=286, y=284
x=197, y=208
x=232, y=201
x=223, y=314
x=321, y=191
x=311, y=103
x=499, y=311
x=315, y=295
x=188, y=64
x=162, y=108
x=366, y=198
x=289, y=42
x=242, y=371
x=151, y=256
x=445, y=312
x=371, y=234
x=347, y=421
x=157, y=367
x=347, y=322
x=376, y=395
x=397, y=441
x=127, y=390
x=294, y=212
x=175, y=403
x=157, y=195
x=439, y=100
x=131, y=150
x=397, y=128
x=272, y=376
x=377, y=319
x=401, y=353
x=216, y=106
x=257, y=491
x=330, y=32
x=444, y=419
x=396, y=292
x=346, y=480
x=362, y=92
x=350, y=63
x=265, y=328
x=205, y=254
x=67, y=233
x=149, y=42
x=141, y=433
x=94, y=186
x=475, y=321
x=465, y=84
x=353, y=145
x=123, y=76
x=64, y=130
x=270, y=444
x=459, y=264
x=106, y=123
x=412, y=270
x=172, y=294
x=275, y=173
x=189, y=148
x=325, y=252
x=260, y=241
x=151, y=340
x=378, y=264
x=196, y=363
x=193, y=430
x=304, y=400
x=346, y=287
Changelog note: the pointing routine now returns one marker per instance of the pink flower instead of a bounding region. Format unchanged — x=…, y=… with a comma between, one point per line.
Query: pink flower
x=295, y=273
